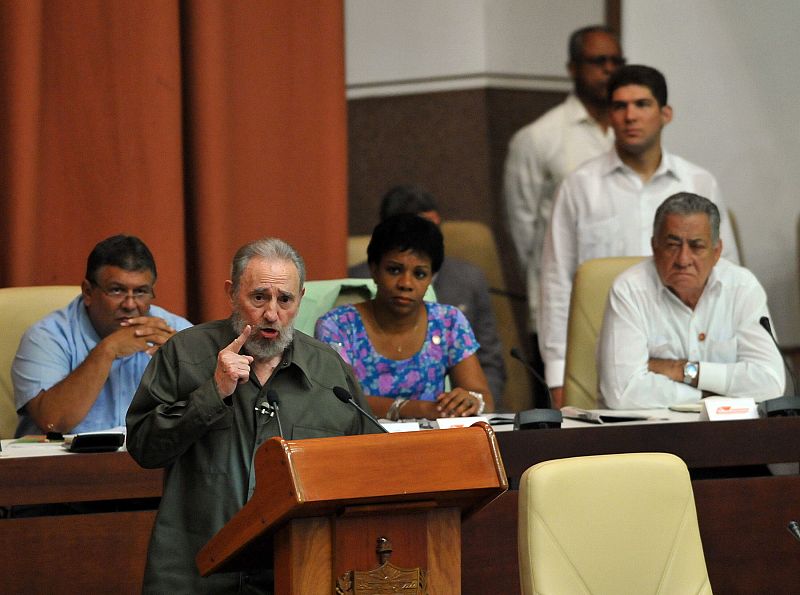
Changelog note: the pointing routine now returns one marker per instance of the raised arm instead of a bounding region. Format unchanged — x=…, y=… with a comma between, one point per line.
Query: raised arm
x=173, y=409
x=64, y=405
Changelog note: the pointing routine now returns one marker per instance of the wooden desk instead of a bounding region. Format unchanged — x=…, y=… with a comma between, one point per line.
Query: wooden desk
x=742, y=520
x=100, y=552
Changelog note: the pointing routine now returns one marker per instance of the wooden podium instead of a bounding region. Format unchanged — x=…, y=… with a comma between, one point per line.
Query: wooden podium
x=321, y=507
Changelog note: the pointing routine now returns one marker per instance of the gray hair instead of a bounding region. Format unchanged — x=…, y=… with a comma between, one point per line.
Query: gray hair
x=269, y=249
x=687, y=203
x=577, y=38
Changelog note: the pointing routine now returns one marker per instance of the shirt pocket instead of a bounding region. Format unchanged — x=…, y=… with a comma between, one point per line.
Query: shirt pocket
x=211, y=454
x=598, y=239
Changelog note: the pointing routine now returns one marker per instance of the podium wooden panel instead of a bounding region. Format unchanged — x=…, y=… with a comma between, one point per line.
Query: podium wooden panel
x=321, y=504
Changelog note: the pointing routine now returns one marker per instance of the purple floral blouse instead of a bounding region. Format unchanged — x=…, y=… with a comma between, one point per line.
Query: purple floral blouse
x=449, y=340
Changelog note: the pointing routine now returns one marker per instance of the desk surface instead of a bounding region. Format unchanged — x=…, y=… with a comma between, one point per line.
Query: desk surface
x=75, y=478
x=701, y=444
x=742, y=521
x=110, y=476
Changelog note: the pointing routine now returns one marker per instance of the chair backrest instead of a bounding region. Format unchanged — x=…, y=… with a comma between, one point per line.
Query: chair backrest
x=357, y=249
x=474, y=242
x=321, y=296
x=20, y=307
x=610, y=524
x=588, y=303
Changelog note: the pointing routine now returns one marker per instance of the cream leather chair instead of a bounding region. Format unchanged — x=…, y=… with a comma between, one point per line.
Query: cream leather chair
x=20, y=307
x=587, y=304
x=357, y=249
x=610, y=525
x=474, y=242
x=322, y=296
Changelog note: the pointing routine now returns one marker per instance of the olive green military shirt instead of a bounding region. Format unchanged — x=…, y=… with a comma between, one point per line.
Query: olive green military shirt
x=178, y=421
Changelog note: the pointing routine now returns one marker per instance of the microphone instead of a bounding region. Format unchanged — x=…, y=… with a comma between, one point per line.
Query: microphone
x=794, y=529
x=787, y=406
x=515, y=353
x=272, y=398
x=538, y=418
x=345, y=397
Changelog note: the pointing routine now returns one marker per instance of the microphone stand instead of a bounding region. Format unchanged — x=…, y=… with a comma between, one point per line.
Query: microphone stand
x=536, y=419
x=272, y=399
x=786, y=406
x=345, y=397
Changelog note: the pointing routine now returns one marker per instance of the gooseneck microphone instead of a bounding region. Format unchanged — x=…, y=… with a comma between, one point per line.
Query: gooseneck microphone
x=794, y=528
x=272, y=399
x=788, y=406
x=515, y=353
x=539, y=418
x=345, y=397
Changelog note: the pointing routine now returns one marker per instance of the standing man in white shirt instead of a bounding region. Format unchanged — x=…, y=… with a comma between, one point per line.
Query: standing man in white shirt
x=606, y=206
x=542, y=153
x=686, y=323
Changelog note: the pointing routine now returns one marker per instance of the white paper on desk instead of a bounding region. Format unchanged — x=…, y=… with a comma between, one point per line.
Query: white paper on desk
x=400, y=426
x=448, y=423
x=601, y=416
x=726, y=408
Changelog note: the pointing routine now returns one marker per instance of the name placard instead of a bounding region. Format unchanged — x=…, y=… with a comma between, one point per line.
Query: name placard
x=725, y=408
x=447, y=423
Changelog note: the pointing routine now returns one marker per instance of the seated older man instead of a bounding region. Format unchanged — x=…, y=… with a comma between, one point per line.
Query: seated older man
x=685, y=323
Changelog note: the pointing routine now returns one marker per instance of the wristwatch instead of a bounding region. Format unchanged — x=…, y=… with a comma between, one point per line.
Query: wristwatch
x=481, y=402
x=690, y=372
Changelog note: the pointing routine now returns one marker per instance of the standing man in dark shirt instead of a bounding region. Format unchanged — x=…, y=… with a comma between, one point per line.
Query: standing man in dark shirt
x=201, y=412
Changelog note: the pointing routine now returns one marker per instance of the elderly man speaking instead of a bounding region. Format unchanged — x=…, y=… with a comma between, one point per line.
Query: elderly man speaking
x=686, y=323
x=202, y=411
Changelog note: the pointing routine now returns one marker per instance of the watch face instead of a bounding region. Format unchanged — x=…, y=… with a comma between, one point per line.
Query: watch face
x=690, y=372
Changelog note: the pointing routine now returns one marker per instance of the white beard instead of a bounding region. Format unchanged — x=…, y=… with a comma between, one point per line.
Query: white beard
x=259, y=347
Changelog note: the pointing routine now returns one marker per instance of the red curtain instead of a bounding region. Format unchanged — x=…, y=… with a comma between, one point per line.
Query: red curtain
x=197, y=126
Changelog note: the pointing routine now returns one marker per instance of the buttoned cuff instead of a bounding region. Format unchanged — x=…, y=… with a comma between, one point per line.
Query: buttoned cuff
x=713, y=377
x=554, y=373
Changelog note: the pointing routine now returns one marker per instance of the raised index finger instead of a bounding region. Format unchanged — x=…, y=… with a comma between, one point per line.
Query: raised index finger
x=236, y=344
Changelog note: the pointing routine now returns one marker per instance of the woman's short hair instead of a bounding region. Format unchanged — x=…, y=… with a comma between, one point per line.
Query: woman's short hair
x=406, y=232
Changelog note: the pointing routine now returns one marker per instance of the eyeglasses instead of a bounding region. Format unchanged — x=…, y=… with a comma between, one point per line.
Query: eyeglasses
x=603, y=59
x=139, y=295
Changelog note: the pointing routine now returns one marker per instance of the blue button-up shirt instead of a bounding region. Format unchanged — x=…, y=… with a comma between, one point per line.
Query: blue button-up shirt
x=57, y=344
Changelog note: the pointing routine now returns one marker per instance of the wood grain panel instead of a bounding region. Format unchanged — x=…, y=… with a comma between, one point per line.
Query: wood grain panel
x=86, y=553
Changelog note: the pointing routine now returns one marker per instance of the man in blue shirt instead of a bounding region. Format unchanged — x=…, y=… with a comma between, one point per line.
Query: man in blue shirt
x=76, y=370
